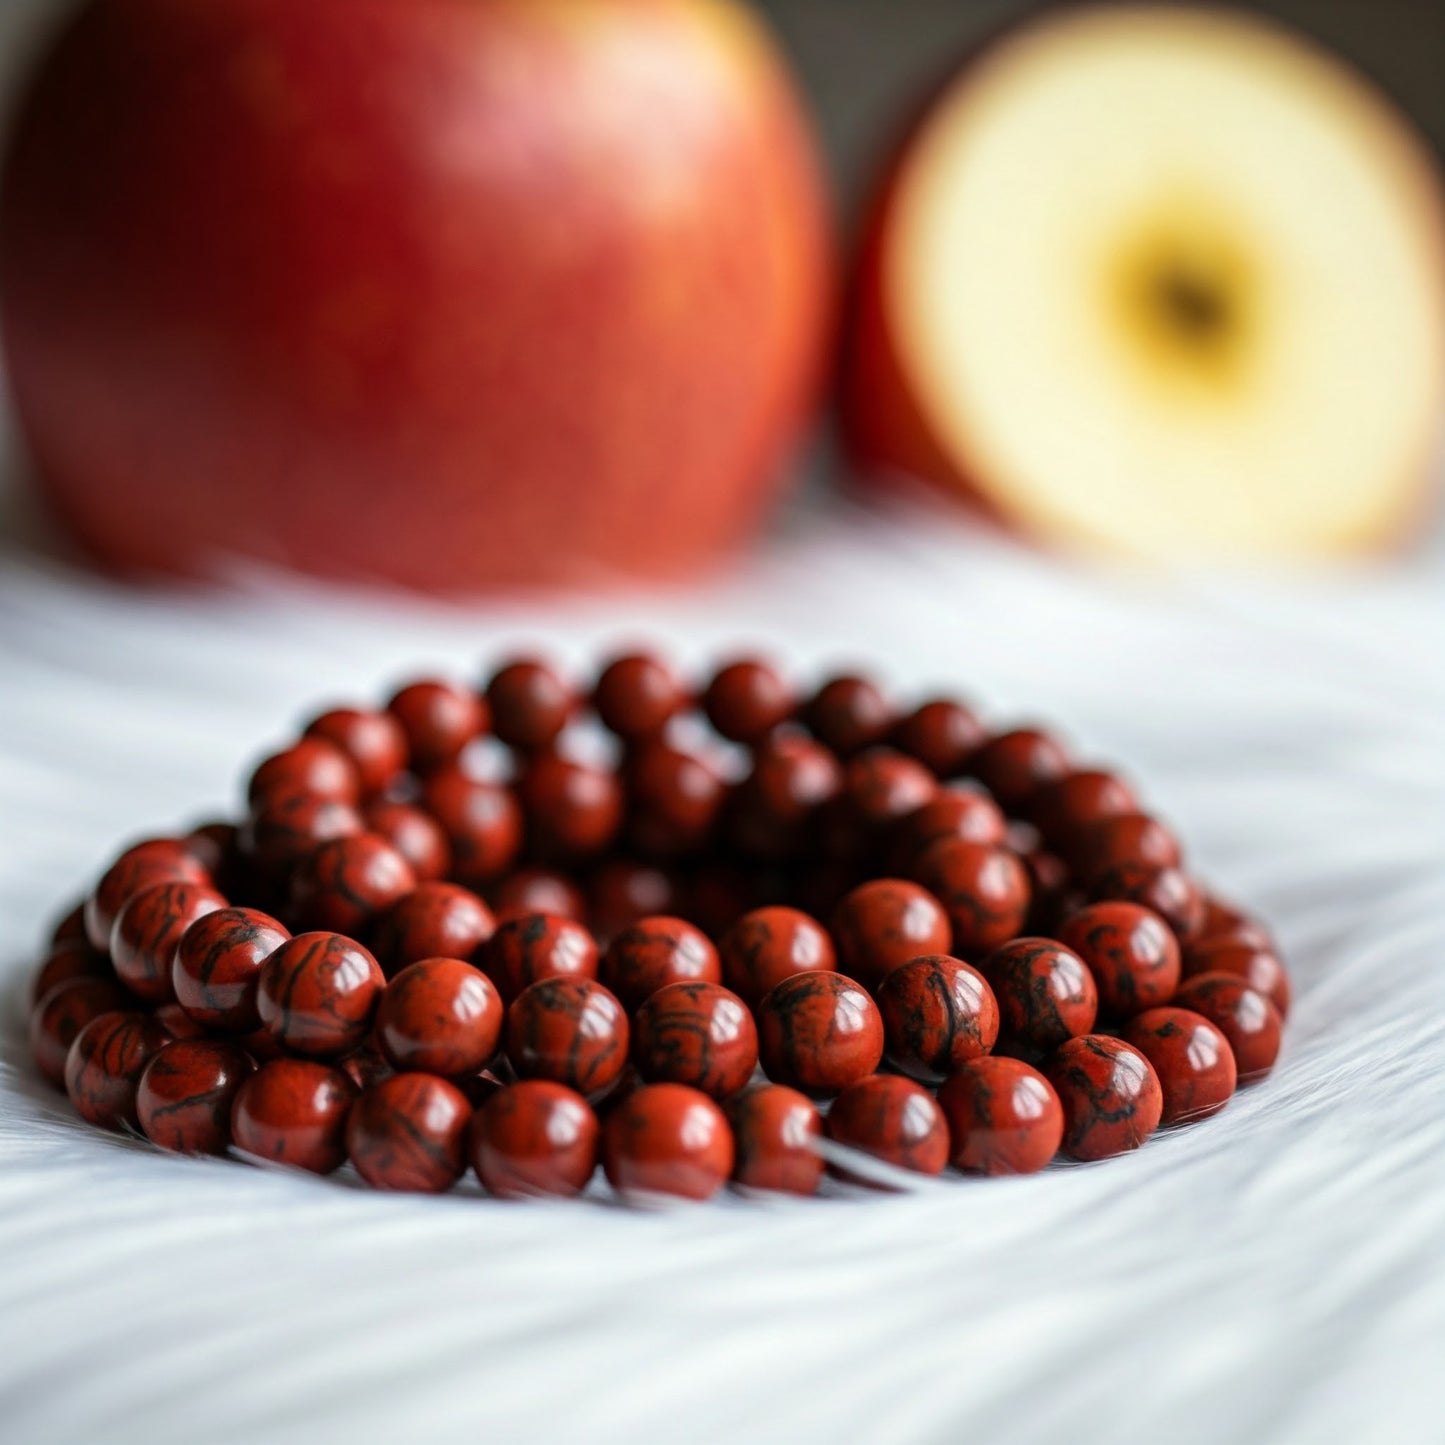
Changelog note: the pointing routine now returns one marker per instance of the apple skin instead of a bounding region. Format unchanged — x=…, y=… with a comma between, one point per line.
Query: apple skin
x=455, y=294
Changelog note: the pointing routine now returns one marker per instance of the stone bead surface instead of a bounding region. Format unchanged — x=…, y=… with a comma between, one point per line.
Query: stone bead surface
x=636, y=695
x=985, y=890
x=293, y=1112
x=938, y=1013
x=622, y=890
x=434, y=920
x=1133, y=840
x=104, y=1065
x=1003, y=1117
x=68, y=959
x=667, y=1140
x=1045, y=994
x=1169, y=892
x=1257, y=964
x=178, y=1023
x=62, y=1012
x=157, y=860
x=819, y=1032
x=146, y=931
x=281, y=835
x=1191, y=1058
x=313, y=768
x=535, y=1139
x=1063, y=809
x=217, y=967
x=655, y=952
x=482, y=821
x=1223, y=918
x=774, y=811
x=408, y=1132
x=572, y=810
x=674, y=800
x=1242, y=1014
x=882, y=924
x=880, y=787
x=345, y=883
x=414, y=833
x=747, y=699
x=847, y=714
x=69, y=927
x=959, y=811
x=534, y=946
x=1014, y=765
x=1110, y=1094
x=942, y=734
x=440, y=1016
x=695, y=1033
x=768, y=945
x=531, y=703
x=539, y=890
x=184, y=1096
x=317, y=994
x=1131, y=953
x=374, y=741
x=891, y=1119
x=571, y=1030
x=775, y=1134
x=439, y=719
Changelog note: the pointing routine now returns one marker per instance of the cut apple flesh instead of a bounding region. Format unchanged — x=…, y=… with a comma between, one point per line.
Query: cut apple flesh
x=1169, y=282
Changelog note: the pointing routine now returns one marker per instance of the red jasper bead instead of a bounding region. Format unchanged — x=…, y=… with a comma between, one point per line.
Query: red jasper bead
x=892, y=1119
x=1133, y=840
x=157, y=860
x=674, y=800
x=937, y=1013
x=539, y=890
x=775, y=1132
x=959, y=811
x=667, y=1140
x=1131, y=952
x=1169, y=892
x=1225, y=919
x=184, y=1096
x=1014, y=765
x=346, y=882
x=1110, y=1095
x=622, y=890
x=655, y=952
x=696, y=1033
x=313, y=768
x=368, y=1065
x=293, y=1112
x=880, y=925
x=1045, y=994
x=1242, y=1014
x=848, y=714
x=1192, y=1059
x=69, y=959
x=984, y=889
x=69, y=927
x=213, y=845
x=768, y=945
x=105, y=1063
x=217, y=965
x=434, y=920
x=1078, y=800
x=535, y=1139
x=482, y=822
x=1003, y=1117
x=746, y=700
x=819, y=1032
x=941, y=734
x=572, y=810
x=281, y=835
x=533, y=946
x=775, y=809
x=531, y=704
x=147, y=930
x=317, y=994
x=439, y=719
x=409, y=1132
x=415, y=834
x=570, y=1030
x=374, y=741
x=1257, y=964
x=637, y=695
x=177, y=1022
x=881, y=786
x=440, y=1016
x=61, y=1014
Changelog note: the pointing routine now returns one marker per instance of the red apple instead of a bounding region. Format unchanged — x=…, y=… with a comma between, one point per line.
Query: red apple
x=452, y=293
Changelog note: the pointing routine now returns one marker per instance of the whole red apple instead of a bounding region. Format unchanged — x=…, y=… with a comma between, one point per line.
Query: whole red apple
x=451, y=293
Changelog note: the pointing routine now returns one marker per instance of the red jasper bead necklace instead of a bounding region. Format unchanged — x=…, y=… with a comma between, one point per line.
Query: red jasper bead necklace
x=786, y=929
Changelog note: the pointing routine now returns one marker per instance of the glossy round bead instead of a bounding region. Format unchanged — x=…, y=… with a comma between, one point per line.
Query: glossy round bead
x=1191, y=1058
x=374, y=741
x=621, y=891
x=695, y=1033
x=531, y=704
x=1131, y=952
x=1223, y=919
x=60, y=1015
x=667, y=1140
x=937, y=1013
x=408, y=1132
x=746, y=700
x=1075, y=802
x=281, y=835
x=654, y=952
x=775, y=1133
x=178, y=1023
x=892, y=1119
x=819, y=1032
x=105, y=1062
x=147, y=930
x=941, y=734
x=312, y=768
x=1110, y=1095
x=535, y=1139
x=482, y=821
x=570, y=1030
x=293, y=1112
x=217, y=965
x=439, y=719
x=881, y=786
x=317, y=994
x=157, y=860
x=533, y=946
x=1133, y=840
x=880, y=925
x=768, y=945
x=775, y=809
x=414, y=833
x=637, y=695
x=674, y=799
x=1169, y=892
x=184, y=1096
x=958, y=811
x=1257, y=964
x=985, y=890
x=347, y=882
x=1242, y=1014
x=213, y=845
x=71, y=958
x=440, y=1016
x=572, y=810
x=368, y=1065
x=539, y=890
x=1046, y=994
x=1014, y=765
x=848, y=714
x=69, y=927
x=1003, y=1117
x=434, y=920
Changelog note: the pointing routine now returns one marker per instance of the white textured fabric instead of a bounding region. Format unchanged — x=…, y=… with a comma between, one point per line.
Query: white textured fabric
x=1276, y=1273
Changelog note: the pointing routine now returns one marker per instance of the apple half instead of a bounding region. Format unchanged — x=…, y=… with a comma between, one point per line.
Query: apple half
x=1159, y=281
